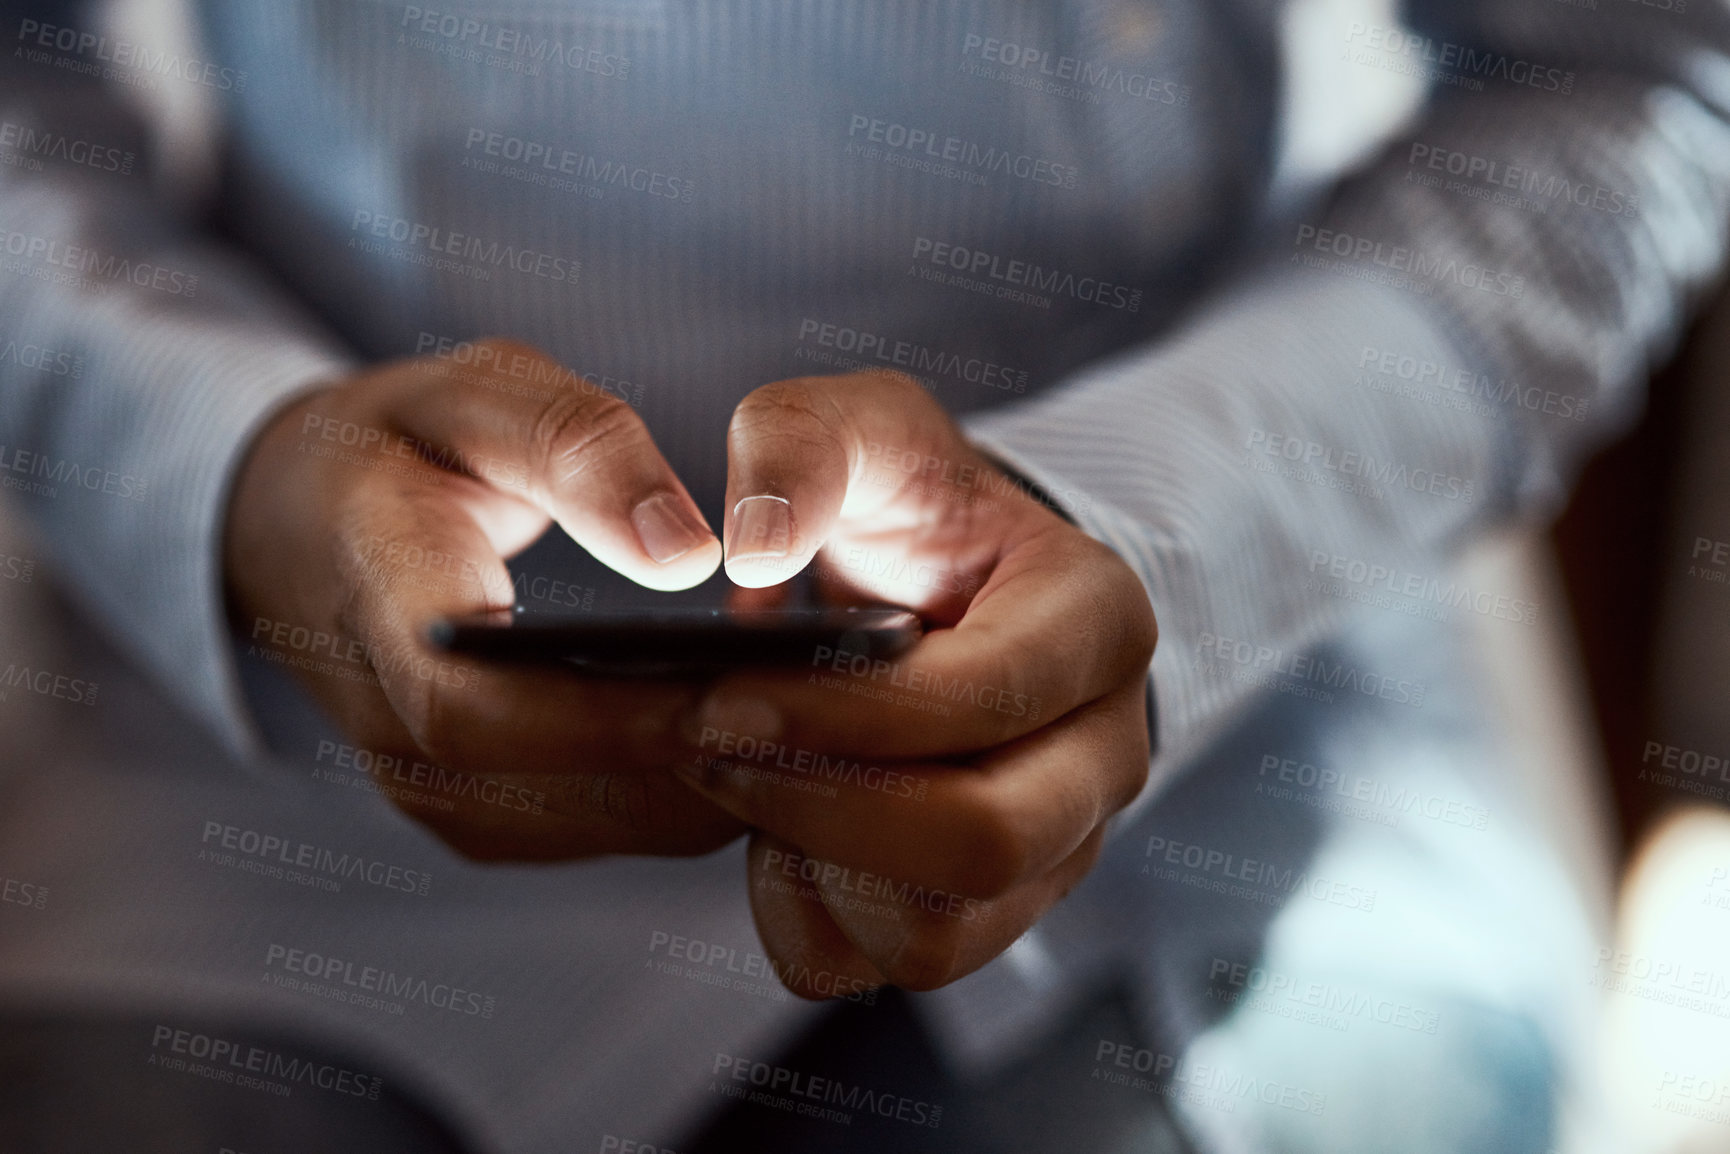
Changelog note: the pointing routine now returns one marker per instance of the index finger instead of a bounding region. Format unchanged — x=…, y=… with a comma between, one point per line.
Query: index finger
x=1058, y=623
x=576, y=451
x=978, y=830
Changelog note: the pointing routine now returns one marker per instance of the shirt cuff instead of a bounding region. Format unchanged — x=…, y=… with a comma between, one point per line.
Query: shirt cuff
x=1154, y=454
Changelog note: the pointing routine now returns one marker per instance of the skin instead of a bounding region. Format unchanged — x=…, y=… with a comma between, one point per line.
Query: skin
x=1004, y=739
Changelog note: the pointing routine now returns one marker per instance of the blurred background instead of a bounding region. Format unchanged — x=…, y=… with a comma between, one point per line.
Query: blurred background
x=1618, y=696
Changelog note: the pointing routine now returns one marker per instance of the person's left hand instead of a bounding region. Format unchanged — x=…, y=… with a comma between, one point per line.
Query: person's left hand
x=914, y=817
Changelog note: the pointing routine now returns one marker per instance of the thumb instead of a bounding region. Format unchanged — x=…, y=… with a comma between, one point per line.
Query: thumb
x=796, y=457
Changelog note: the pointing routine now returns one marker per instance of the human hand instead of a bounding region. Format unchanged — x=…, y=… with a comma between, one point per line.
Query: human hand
x=916, y=816
x=339, y=507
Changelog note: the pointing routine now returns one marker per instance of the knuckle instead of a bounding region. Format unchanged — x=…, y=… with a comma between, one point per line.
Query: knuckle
x=576, y=430
x=1000, y=727
x=1015, y=681
x=353, y=615
x=991, y=852
x=1140, y=624
x=1079, y=865
x=620, y=799
x=798, y=393
x=794, y=408
x=646, y=810
x=360, y=581
x=1133, y=779
x=1126, y=782
x=441, y=731
x=353, y=543
x=1132, y=607
x=1085, y=857
x=1149, y=634
x=1125, y=629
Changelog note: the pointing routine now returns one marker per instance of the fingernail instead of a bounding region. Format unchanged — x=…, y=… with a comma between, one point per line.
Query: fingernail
x=667, y=527
x=762, y=527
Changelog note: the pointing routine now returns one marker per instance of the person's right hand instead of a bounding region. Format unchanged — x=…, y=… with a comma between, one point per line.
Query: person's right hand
x=340, y=506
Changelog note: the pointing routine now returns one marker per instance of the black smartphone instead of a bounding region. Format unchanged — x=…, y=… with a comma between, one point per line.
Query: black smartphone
x=682, y=640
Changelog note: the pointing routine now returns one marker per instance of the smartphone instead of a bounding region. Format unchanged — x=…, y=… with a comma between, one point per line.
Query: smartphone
x=685, y=640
